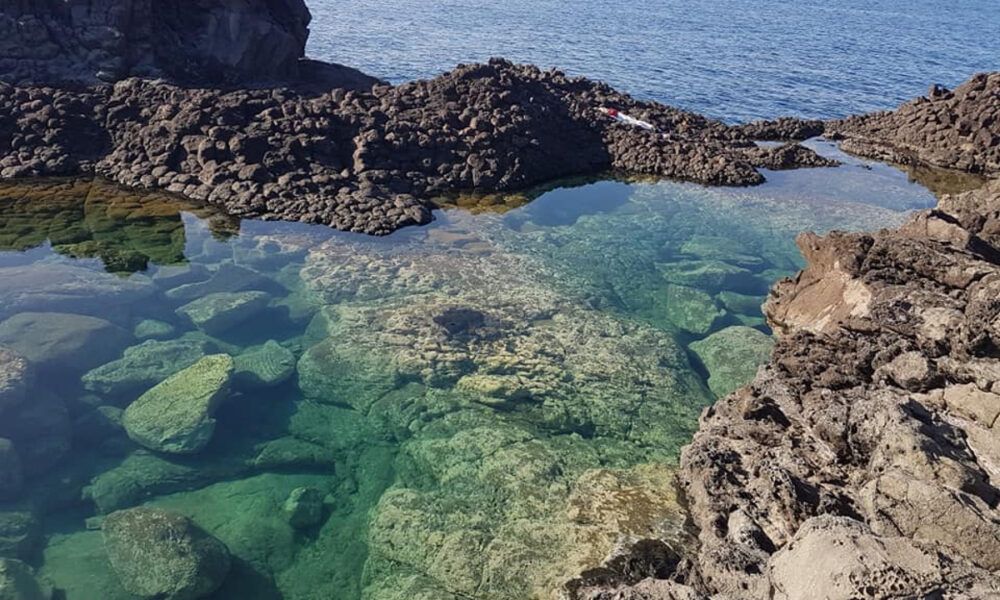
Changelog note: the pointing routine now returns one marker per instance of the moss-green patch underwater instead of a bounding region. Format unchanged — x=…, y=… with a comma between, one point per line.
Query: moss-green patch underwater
x=481, y=408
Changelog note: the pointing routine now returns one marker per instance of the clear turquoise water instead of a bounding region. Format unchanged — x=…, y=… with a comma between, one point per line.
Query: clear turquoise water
x=488, y=404
x=735, y=60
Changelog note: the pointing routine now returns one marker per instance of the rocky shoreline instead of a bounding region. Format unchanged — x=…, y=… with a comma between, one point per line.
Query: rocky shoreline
x=864, y=460
x=367, y=160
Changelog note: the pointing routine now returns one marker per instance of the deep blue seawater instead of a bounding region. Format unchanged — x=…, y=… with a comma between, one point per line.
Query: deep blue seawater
x=735, y=60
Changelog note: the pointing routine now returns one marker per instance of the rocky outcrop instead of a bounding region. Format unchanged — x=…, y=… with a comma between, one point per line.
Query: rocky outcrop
x=863, y=460
x=86, y=41
x=160, y=554
x=957, y=129
x=368, y=161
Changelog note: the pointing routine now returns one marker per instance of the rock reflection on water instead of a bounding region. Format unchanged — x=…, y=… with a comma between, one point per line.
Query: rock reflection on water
x=84, y=218
x=481, y=408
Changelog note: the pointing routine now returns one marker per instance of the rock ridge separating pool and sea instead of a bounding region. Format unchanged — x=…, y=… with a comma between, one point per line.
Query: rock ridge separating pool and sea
x=863, y=461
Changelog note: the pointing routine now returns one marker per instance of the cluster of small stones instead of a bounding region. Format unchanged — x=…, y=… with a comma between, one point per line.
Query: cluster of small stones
x=862, y=461
x=957, y=129
x=366, y=161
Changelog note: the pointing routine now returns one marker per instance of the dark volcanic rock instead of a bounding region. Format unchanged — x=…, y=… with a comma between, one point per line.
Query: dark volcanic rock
x=785, y=129
x=86, y=41
x=863, y=459
x=957, y=129
x=367, y=161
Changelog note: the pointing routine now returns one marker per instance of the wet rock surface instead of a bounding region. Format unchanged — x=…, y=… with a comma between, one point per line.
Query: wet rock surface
x=862, y=460
x=367, y=160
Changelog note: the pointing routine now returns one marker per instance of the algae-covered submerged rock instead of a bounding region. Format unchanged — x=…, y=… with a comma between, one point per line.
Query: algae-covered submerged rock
x=732, y=356
x=691, y=309
x=143, y=366
x=176, y=416
x=163, y=555
x=216, y=313
x=264, y=366
x=18, y=582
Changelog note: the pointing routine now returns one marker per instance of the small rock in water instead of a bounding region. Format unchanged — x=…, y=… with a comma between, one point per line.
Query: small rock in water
x=163, y=555
x=304, y=507
x=151, y=328
x=18, y=582
x=176, y=416
x=732, y=357
x=11, y=475
x=709, y=275
x=264, y=366
x=216, y=313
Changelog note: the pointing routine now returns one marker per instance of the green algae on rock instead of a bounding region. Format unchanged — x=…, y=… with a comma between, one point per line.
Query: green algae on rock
x=264, y=366
x=732, y=356
x=18, y=582
x=143, y=366
x=177, y=416
x=163, y=555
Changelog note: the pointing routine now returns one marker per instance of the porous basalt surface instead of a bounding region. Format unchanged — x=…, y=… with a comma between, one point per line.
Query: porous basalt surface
x=368, y=161
x=865, y=453
x=957, y=129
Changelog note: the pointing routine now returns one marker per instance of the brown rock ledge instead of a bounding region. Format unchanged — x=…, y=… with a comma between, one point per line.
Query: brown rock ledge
x=864, y=460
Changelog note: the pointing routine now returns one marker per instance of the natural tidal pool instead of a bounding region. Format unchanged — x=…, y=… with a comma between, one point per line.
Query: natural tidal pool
x=479, y=408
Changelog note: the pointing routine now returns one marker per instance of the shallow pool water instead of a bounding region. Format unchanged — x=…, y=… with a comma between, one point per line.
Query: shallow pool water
x=488, y=405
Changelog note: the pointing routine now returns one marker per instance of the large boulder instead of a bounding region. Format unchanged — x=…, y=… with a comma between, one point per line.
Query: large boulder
x=163, y=555
x=59, y=287
x=205, y=41
x=176, y=416
x=732, y=356
x=144, y=365
x=62, y=341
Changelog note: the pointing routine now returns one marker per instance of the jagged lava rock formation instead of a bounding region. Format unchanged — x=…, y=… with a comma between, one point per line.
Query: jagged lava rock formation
x=864, y=460
x=957, y=129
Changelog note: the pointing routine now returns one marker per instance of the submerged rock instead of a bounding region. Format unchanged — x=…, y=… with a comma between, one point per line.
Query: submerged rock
x=162, y=555
x=264, y=366
x=691, y=309
x=41, y=431
x=11, y=475
x=732, y=356
x=18, y=582
x=151, y=328
x=219, y=312
x=304, y=508
x=13, y=379
x=54, y=287
x=59, y=342
x=228, y=278
x=20, y=535
x=709, y=275
x=143, y=366
x=176, y=416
